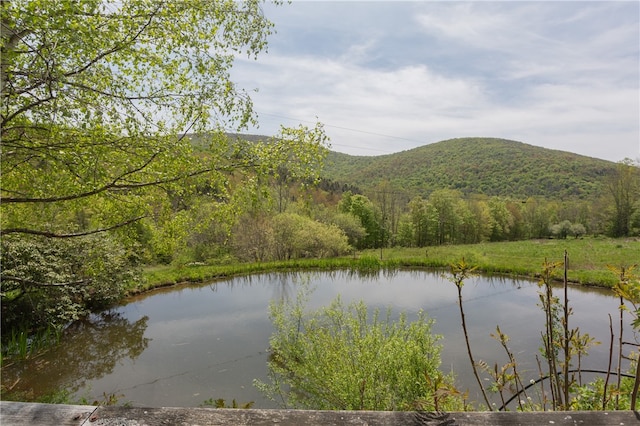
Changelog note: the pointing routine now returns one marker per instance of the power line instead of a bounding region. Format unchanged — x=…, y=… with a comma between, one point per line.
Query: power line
x=348, y=129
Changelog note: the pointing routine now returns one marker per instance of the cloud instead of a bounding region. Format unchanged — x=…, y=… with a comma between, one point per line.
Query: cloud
x=348, y=95
x=388, y=76
x=469, y=24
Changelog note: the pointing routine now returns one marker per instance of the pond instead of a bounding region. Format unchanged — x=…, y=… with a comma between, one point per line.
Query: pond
x=183, y=345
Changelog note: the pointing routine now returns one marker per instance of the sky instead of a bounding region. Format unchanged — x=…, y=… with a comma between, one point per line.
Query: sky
x=389, y=76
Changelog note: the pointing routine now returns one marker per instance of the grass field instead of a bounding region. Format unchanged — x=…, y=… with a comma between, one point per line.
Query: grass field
x=588, y=261
x=588, y=257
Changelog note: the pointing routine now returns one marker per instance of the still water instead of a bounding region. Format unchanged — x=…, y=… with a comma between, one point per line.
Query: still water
x=184, y=345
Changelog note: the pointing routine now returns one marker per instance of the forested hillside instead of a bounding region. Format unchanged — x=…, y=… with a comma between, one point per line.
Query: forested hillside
x=477, y=166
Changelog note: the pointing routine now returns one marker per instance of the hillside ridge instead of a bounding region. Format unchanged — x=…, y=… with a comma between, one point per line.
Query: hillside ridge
x=476, y=165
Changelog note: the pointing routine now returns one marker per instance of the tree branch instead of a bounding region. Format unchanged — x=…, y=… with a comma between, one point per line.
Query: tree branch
x=114, y=185
x=41, y=284
x=23, y=109
x=73, y=235
x=111, y=185
x=119, y=45
x=48, y=79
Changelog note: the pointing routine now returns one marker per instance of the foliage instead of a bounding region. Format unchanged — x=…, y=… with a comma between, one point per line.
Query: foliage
x=97, y=97
x=589, y=260
x=507, y=377
x=49, y=282
x=577, y=230
x=553, y=338
x=285, y=236
x=96, y=94
x=517, y=258
x=362, y=208
x=351, y=226
x=589, y=396
x=299, y=236
x=351, y=359
x=560, y=345
x=566, y=228
x=624, y=189
x=488, y=166
x=478, y=189
x=97, y=100
x=628, y=288
x=20, y=344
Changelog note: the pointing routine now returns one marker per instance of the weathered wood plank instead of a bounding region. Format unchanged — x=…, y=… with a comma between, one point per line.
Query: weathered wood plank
x=33, y=414
x=210, y=416
x=18, y=414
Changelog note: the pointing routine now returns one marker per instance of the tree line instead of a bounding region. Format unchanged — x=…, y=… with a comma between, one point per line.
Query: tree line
x=294, y=219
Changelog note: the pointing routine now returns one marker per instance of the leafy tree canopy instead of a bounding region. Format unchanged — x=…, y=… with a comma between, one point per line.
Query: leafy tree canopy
x=95, y=96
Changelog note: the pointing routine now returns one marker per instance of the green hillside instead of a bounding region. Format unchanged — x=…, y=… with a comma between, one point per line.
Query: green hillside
x=477, y=166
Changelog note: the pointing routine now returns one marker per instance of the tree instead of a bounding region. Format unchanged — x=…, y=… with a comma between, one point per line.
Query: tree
x=561, y=230
x=350, y=225
x=502, y=220
x=50, y=282
x=578, y=230
x=388, y=202
x=445, y=203
x=483, y=220
x=97, y=98
x=538, y=217
x=315, y=239
x=298, y=236
x=635, y=218
x=624, y=188
x=419, y=220
x=362, y=208
x=468, y=228
x=406, y=232
x=252, y=237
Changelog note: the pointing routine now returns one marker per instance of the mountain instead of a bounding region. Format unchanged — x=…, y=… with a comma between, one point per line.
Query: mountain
x=477, y=166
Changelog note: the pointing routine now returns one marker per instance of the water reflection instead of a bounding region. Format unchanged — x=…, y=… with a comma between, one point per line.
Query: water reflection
x=182, y=345
x=90, y=349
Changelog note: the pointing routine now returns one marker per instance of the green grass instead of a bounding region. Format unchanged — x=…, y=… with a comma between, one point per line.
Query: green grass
x=22, y=344
x=588, y=257
x=588, y=260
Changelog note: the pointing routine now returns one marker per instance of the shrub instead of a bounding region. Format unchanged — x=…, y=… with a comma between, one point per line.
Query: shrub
x=49, y=281
x=346, y=358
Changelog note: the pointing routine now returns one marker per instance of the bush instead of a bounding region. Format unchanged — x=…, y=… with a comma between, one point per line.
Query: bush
x=49, y=282
x=286, y=236
x=348, y=359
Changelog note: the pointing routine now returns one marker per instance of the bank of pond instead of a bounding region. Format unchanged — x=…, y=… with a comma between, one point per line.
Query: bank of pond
x=193, y=345
x=589, y=260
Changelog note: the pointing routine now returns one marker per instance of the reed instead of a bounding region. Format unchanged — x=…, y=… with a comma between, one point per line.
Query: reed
x=22, y=344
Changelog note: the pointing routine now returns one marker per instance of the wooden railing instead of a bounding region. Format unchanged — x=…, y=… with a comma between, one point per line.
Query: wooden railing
x=33, y=414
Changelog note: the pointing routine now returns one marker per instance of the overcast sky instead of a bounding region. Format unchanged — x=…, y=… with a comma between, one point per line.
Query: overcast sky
x=387, y=76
